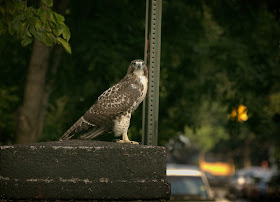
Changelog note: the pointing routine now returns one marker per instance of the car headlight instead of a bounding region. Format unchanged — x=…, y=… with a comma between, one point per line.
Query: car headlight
x=241, y=180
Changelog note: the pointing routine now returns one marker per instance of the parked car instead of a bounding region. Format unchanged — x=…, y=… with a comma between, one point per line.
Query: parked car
x=257, y=188
x=188, y=183
x=236, y=184
x=250, y=183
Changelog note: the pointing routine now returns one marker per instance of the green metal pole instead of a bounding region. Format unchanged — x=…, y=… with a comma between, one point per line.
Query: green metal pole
x=152, y=58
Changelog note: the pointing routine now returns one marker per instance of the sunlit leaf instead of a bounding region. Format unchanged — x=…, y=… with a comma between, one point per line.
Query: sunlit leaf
x=58, y=30
x=37, y=35
x=66, y=33
x=15, y=24
x=42, y=13
x=48, y=39
x=39, y=26
x=26, y=41
x=65, y=44
x=57, y=18
x=28, y=33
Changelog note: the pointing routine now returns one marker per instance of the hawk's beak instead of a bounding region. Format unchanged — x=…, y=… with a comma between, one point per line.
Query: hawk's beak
x=139, y=66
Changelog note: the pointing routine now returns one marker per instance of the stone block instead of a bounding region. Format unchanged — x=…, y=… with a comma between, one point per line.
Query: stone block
x=83, y=170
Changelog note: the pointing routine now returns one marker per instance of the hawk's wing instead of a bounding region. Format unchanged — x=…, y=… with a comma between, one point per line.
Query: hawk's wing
x=116, y=100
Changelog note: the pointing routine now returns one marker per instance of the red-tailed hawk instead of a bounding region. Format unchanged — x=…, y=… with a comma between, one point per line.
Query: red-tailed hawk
x=113, y=108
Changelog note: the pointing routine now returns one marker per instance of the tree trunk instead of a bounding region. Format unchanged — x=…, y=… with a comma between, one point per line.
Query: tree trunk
x=56, y=57
x=60, y=7
x=32, y=112
x=27, y=128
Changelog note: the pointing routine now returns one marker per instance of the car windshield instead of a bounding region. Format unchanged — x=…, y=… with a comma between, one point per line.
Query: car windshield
x=187, y=185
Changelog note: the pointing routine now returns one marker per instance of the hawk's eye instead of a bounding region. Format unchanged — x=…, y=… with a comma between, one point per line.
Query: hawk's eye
x=134, y=63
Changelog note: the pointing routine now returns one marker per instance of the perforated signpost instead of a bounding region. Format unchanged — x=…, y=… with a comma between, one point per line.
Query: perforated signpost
x=152, y=59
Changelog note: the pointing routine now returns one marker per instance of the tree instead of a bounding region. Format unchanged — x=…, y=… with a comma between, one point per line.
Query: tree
x=211, y=126
x=47, y=27
x=27, y=22
x=215, y=57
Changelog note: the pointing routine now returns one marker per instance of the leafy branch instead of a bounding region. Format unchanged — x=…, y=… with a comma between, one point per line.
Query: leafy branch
x=27, y=22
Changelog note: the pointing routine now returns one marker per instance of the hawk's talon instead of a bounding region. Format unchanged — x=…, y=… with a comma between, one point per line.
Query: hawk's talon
x=127, y=142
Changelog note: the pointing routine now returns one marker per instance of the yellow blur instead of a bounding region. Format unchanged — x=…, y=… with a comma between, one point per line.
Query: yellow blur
x=217, y=168
x=239, y=114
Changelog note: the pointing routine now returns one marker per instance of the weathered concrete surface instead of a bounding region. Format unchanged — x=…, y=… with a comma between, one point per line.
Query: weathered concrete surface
x=83, y=170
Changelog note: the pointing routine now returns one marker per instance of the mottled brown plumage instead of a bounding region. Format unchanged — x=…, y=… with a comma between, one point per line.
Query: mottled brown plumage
x=113, y=108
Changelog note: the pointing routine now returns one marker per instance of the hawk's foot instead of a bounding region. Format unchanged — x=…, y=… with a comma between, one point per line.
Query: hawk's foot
x=127, y=142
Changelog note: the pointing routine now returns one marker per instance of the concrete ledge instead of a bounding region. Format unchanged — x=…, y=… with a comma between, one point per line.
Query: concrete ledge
x=83, y=170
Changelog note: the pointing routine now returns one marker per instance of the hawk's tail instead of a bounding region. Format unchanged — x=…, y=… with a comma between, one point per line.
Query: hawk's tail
x=92, y=133
x=76, y=127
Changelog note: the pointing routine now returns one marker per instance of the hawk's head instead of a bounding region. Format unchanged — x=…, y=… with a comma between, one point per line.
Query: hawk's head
x=138, y=67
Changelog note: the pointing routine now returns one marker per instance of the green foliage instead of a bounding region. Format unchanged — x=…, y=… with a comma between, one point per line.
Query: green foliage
x=8, y=100
x=212, y=119
x=48, y=3
x=65, y=44
x=211, y=56
x=28, y=22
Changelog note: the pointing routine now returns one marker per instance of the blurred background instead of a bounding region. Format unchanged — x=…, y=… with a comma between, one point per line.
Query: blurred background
x=219, y=83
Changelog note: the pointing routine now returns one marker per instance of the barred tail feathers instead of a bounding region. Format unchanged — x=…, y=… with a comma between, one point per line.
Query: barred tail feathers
x=78, y=126
x=92, y=133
